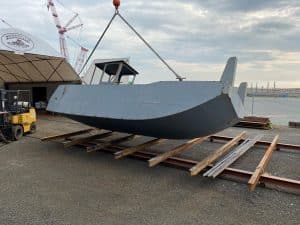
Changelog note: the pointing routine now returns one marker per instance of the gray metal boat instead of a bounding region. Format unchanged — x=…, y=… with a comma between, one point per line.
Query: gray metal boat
x=166, y=109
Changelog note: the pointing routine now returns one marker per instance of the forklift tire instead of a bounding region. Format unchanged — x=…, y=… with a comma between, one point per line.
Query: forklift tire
x=32, y=128
x=17, y=132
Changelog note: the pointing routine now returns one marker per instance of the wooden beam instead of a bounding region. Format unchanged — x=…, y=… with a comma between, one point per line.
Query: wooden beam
x=136, y=148
x=218, y=153
x=66, y=135
x=233, y=174
x=280, y=146
x=260, y=169
x=232, y=157
x=87, y=138
x=100, y=146
x=158, y=159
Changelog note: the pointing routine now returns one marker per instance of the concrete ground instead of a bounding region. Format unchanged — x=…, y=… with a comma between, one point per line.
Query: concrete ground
x=43, y=183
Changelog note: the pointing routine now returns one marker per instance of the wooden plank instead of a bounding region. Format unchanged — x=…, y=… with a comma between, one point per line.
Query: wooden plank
x=280, y=146
x=271, y=182
x=218, y=153
x=260, y=169
x=254, y=123
x=158, y=159
x=66, y=135
x=232, y=157
x=136, y=148
x=87, y=138
x=100, y=146
x=238, y=175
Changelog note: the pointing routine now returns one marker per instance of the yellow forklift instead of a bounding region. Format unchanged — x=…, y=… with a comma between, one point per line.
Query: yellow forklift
x=17, y=117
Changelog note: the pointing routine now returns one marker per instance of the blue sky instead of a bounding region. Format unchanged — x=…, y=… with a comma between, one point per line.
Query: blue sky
x=195, y=36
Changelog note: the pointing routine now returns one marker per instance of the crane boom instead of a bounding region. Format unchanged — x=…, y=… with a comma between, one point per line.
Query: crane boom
x=63, y=29
x=73, y=27
x=60, y=29
x=71, y=20
x=52, y=8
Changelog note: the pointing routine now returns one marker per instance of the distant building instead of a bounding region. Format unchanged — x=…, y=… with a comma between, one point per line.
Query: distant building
x=275, y=92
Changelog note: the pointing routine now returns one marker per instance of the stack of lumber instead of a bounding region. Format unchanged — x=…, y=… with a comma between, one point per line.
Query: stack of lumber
x=294, y=124
x=255, y=122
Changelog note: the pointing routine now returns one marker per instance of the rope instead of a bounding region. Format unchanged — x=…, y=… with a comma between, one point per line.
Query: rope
x=149, y=46
x=98, y=42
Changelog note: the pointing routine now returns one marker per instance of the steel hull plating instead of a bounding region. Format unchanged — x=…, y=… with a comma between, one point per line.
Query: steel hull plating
x=189, y=115
x=200, y=121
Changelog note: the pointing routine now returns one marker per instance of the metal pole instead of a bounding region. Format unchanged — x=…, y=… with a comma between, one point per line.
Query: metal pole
x=252, y=98
x=149, y=46
x=103, y=72
x=92, y=78
x=252, y=104
x=98, y=42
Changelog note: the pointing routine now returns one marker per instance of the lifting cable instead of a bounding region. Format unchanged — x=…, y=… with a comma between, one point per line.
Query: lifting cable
x=139, y=35
x=6, y=23
x=98, y=42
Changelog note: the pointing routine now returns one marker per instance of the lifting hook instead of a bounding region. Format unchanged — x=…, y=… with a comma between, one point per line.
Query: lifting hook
x=116, y=4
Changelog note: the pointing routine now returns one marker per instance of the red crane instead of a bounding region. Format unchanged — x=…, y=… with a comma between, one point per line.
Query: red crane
x=62, y=39
x=81, y=56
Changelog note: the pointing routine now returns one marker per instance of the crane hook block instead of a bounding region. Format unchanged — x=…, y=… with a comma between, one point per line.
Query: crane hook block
x=116, y=4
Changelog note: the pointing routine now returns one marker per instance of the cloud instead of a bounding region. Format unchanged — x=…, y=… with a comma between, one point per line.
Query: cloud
x=195, y=37
x=245, y=5
x=273, y=26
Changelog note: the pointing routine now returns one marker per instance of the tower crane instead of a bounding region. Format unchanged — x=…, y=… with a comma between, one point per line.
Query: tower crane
x=62, y=30
x=81, y=56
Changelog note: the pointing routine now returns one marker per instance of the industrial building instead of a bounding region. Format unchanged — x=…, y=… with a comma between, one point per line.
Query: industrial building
x=29, y=63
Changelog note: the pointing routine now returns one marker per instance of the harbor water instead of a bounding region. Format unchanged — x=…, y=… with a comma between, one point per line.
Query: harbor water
x=280, y=110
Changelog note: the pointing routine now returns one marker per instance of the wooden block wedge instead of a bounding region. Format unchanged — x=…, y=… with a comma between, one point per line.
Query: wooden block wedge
x=262, y=165
x=160, y=158
x=218, y=153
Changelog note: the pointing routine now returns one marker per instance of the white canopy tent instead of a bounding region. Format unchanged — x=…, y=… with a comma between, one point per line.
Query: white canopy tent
x=27, y=59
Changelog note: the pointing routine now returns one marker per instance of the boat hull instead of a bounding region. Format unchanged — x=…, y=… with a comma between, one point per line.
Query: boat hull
x=202, y=120
x=166, y=109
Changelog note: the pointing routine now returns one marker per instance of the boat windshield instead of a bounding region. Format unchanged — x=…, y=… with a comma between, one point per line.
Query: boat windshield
x=113, y=72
